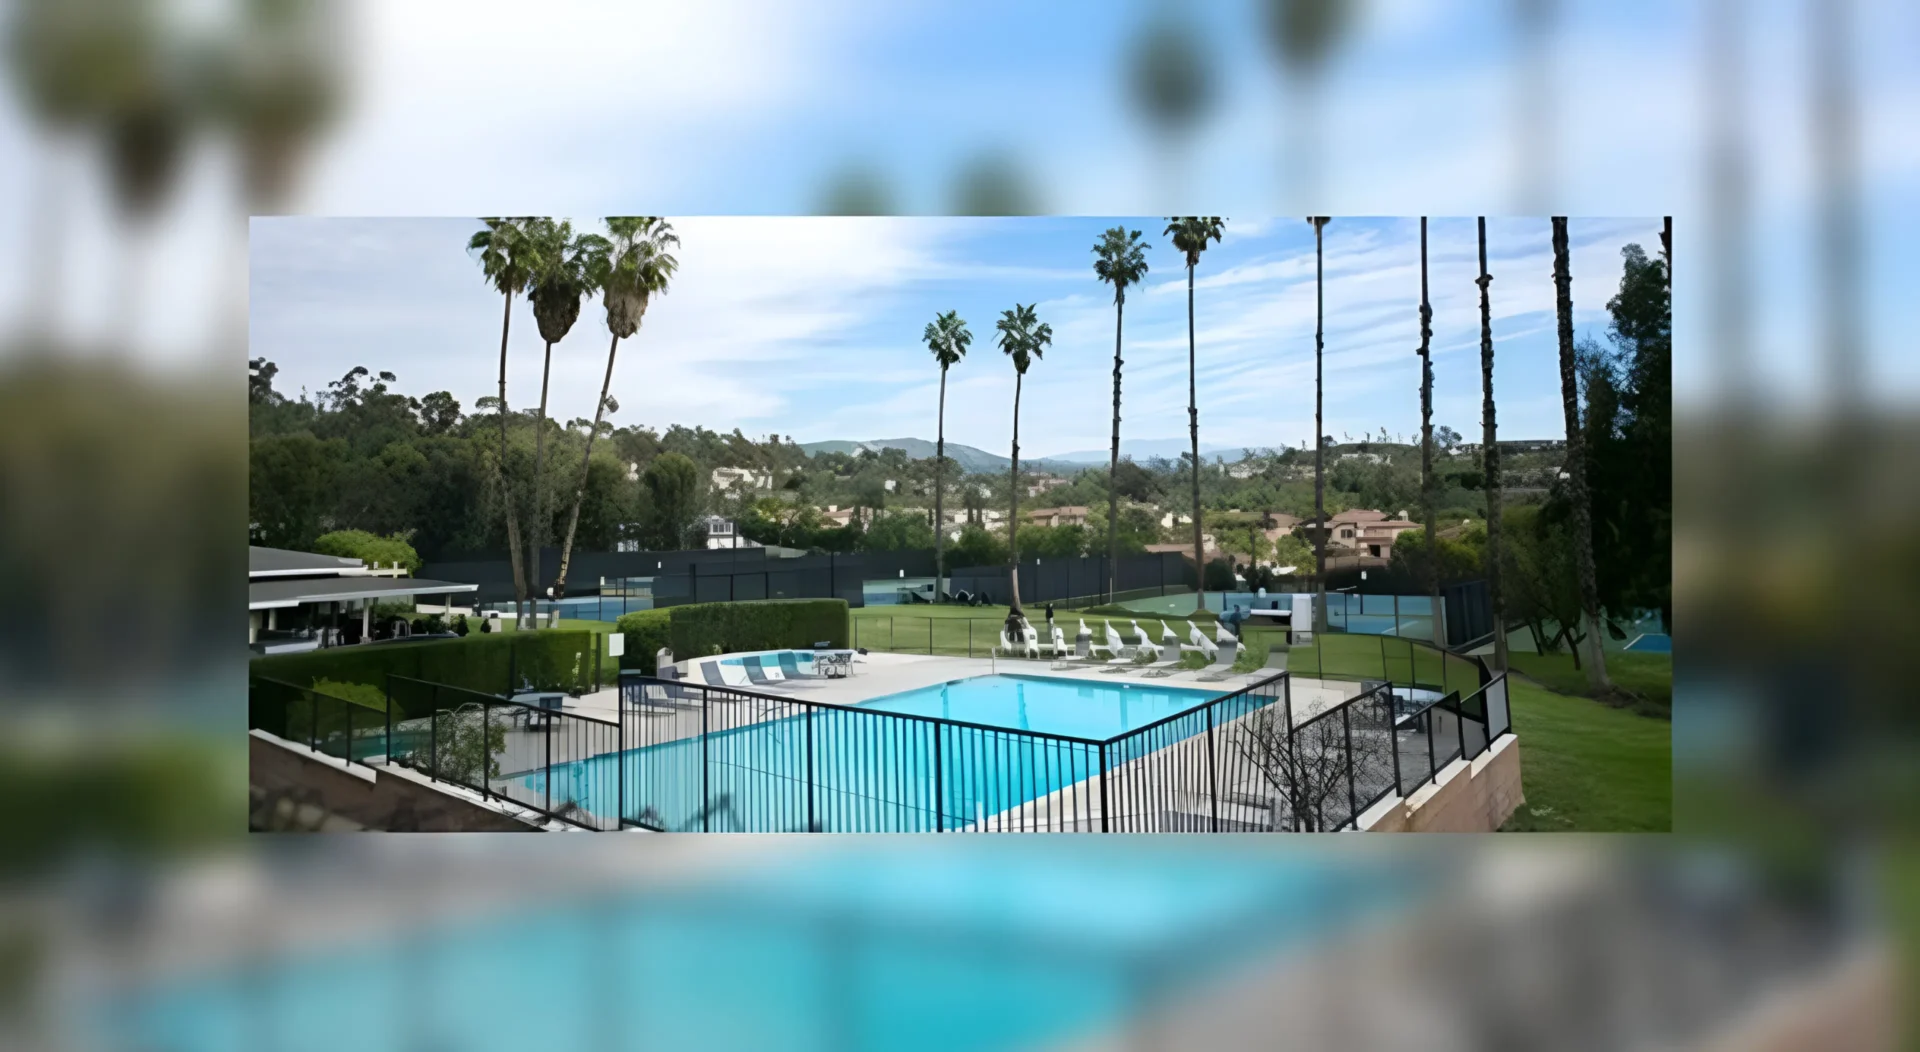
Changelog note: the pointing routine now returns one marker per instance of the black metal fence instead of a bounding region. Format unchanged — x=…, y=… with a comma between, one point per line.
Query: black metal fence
x=682, y=756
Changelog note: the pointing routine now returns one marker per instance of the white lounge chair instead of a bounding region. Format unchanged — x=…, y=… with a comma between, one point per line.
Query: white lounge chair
x=1146, y=645
x=1110, y=648
x=1029, y=639
x=1222, y=636
x=1082, y=649
x=1005, y=645
x=1168, y=641
x=1198, y=642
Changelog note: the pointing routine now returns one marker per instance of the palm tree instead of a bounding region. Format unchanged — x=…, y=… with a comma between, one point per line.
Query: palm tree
x=1023, y=336
x=1490, y=460
x=1121, y=260
x=1426, y=446
x=558, y=281
x=947, y=337
x=1319, y=427
x=1303, y=35
x=629, y=269
x=1576, y=469
x=505, y=259
x=1190, y=235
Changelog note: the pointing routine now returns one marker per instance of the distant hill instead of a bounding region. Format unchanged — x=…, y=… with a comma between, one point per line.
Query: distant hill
x=1147, y=449
x=969, y=458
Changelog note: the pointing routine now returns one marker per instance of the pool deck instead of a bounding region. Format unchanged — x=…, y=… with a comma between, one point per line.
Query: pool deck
x=877, y=675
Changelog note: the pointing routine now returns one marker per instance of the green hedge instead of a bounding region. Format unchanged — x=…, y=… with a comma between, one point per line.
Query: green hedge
x=646, y=631
x=555, y=659
x=769, y=624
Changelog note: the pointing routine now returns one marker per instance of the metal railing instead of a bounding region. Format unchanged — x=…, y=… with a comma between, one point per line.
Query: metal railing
x=536, y=757
x=326, y=723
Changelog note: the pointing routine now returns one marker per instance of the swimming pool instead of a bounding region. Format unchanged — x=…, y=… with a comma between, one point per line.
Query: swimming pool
x=986, y=946
x=1074, y=707
x=864, y=769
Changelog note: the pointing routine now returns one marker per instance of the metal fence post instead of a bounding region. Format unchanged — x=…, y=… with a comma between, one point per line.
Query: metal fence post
x=1353, y=798
x=486, y=750
x=1460, y=722
x=433, y=746
x=620, y=755
x=1213, y=776
x=389, y=693
x=1103, y=787
x=939, y=782
x=547, y=723
x=813, y=825
x=313, y=721
x=1433, y=772
x=706, y=801
x=350, y=709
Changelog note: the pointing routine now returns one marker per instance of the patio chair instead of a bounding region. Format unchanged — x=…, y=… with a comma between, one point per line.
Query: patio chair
x=1222, y=665
x=1222, y=636
x=1166, y=666
x=1168, y=641
x=759, y=675
x=1082, y=649
x=1198, y=641
x=1029, y=639
x=790, y=666
x=1146, y=645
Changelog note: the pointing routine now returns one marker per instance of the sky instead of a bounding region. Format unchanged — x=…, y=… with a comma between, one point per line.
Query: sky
x=810, y=327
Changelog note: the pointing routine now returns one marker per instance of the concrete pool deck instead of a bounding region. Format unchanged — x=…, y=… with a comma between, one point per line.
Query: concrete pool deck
x=879, y=674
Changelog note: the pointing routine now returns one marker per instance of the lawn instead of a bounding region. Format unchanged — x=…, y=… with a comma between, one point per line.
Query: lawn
x=960, y=631
x=1648, y=676
x=1588, y=767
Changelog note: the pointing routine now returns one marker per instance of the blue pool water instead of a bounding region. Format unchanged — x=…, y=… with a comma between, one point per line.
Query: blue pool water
x=987, y=946
x=1073, y=707
x=860, y=771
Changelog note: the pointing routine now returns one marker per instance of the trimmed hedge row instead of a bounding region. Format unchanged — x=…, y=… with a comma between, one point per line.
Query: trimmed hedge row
x=646, y=631
x=553, y=659
x=696, y=629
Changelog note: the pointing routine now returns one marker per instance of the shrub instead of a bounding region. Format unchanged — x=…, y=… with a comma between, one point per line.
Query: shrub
x=368, y=694
x=460, y=625
x=486, y=625
x=646, y=631
x=763, y=625
x=436, y=624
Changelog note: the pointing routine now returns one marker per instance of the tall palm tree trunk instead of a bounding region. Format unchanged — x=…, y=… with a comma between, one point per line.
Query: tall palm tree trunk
x=1013, y=510
x=1426, y=447
x=536, y=527
x=939, y=494
x=1193, y=428
x=586, y=459
x=1576, y=467
x=1113, y=463
x=1490, y=461
x=1319, y=429
x=506, y=488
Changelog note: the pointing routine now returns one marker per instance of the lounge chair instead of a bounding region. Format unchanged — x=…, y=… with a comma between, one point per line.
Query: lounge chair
x=1146, y=645
x=1222, y=665
x=1082, y=649
x=1222, y=636
x=1168, y=641
x=790, y=666
x=1198, y=641
x=1029, y=639
x=759, y=675
x=718, y=673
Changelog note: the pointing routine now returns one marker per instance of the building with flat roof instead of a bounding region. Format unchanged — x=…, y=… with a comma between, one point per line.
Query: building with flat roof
x=303, y=601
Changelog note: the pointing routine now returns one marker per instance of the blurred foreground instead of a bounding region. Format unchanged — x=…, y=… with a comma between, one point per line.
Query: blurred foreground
x=140, y=135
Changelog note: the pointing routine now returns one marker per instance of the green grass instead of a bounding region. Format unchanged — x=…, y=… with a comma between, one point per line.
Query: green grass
x=1647, y=676
x=1588, y=767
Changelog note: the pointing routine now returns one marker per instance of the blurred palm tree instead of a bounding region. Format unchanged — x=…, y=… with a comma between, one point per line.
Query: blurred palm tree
x=1119, y=260
x=559, y=278
x=506, y=259
x=110, y=68
x=1023, y=337
x=1303, y=35
x=1171, y=82
x=948, y=338
x=1190, y=236
x=1575, y=471
x=629, y=267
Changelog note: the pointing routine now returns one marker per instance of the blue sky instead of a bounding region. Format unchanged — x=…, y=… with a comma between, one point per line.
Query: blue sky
x=810, y=326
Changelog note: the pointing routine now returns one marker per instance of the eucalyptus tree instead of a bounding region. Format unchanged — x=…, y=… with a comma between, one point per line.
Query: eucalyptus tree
x=1190, y=236
x=506, y=259
x=948, y=338
x=1576, y=468
x=1024, y=338
x=560, y=278
x=1490, y=460
x=629, y=267
x=1120, y=259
